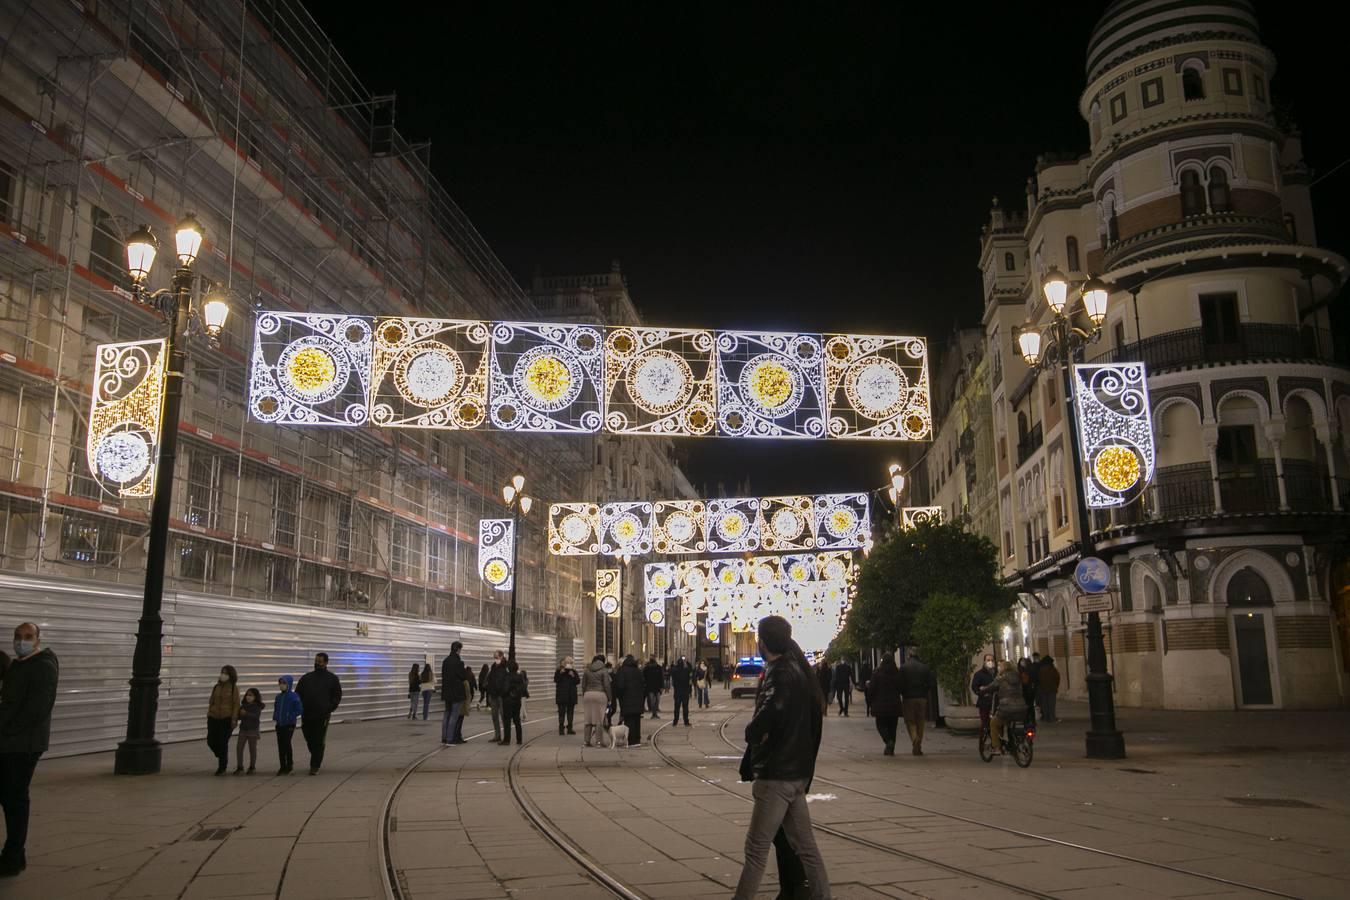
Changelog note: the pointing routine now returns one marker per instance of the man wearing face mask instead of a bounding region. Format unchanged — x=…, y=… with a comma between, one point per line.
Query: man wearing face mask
x=320, y=692
x=980, y=686
x=26, y=701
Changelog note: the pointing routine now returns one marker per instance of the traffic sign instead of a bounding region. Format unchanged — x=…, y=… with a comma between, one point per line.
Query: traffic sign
x=1092, y=575
x=1090, y=603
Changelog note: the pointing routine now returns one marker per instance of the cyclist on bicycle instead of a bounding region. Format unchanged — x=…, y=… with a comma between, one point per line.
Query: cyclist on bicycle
x=1010, y=707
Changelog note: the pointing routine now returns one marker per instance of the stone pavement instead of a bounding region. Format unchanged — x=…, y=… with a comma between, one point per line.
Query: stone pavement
x=1254, y=798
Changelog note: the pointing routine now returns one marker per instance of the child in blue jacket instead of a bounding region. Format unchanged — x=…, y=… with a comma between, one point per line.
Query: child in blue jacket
x=285, y=711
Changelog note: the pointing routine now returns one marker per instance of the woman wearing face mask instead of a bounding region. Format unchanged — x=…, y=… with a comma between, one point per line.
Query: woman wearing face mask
x=221, y=716
x=981, y=687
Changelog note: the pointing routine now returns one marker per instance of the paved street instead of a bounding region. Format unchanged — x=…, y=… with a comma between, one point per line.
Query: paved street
x=1257, y=799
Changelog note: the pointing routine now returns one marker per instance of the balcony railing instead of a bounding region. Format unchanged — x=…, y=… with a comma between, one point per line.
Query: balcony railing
x=1187, y=491
x=1029, y=444
x=1254, y=340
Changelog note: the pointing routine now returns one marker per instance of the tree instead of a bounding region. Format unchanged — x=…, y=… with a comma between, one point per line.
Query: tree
x=948, y=631
x=914, y=564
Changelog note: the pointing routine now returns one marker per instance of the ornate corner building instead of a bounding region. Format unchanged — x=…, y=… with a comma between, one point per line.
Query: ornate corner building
x=1230, y=573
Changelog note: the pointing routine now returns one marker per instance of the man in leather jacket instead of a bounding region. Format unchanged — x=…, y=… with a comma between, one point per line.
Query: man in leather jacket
x=783, y=738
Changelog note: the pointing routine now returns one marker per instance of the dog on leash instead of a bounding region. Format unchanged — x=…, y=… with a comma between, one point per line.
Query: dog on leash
x=618, y=736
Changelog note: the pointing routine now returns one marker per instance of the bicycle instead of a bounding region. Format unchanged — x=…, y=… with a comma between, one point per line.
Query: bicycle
x=1017, y=740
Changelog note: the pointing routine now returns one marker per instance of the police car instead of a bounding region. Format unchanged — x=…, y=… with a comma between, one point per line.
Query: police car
x=745, y=677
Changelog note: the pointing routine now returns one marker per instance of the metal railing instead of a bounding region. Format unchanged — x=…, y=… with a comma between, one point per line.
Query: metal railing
x=1188, y=490
x=1029, y=444
x=1254, y=340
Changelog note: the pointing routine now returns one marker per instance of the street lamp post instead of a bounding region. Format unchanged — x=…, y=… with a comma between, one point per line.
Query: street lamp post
x=519, y=504
x=1056, y=345
x=625, y=558
x=139, y=753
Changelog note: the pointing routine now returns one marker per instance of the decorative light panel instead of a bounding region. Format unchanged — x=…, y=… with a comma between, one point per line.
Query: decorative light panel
x=678, y=526
x=787, y=523
x=842, y=521
x=877, y=387
x=122, y=445
x=429, y=373
x=546, y=377
x=608, y=585
x=496, y=553
x=659, y=381
x=770, y=385
x=733, y=525
x=914, y=515
x=626, y=528
x=1115, y=432
x=310, y=369
x=574, y=529
x=659, y=586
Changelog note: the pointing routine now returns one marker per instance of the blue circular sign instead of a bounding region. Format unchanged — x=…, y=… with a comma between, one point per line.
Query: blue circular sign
x=1092, y=575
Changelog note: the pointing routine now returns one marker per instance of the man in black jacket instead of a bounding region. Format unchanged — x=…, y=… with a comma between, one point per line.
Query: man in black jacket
x=654, y=680
x=453, y=676
x=628, y=686
x=494, y=690
x=26, y=702
x=783, y=738
x=320, y=693
x=843, y=685
x=916, y=682
x=681, y=682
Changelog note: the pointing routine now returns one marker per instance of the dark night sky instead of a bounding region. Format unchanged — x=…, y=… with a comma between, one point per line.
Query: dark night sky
x=802, y=167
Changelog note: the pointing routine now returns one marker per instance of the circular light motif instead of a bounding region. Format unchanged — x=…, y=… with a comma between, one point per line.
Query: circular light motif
x=690, y=627
x=656, y=616
x=550, y=381
x=876, y=387
x=787, y=524
x=430, y=374
x=798, y=572
x=661, y=580
x=728, y=575
x=771, y=384
x=841, y=521
x=609, y=606
x=313, y=370
x=763, y=574
x=495, y=572
x=626, y=529
x=660, y=382
x=1116, y=468
x=834, y=570
x=693, y=579
x=680, y=527
x=732, y=525
x=123, y=456
x=574, y=528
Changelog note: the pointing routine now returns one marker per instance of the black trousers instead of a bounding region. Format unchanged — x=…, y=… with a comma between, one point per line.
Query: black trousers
x=565, y=711
x=634, y=723
x=792, y=883
x=511, y=716
x=681, y=702
x=285, y=759
x=315, y=730
x=16, y=774
x=218, y=738
x=886, y=727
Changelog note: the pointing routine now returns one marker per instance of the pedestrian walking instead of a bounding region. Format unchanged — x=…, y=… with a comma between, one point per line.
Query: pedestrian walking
x=565, y=682
x=495, y=687
x=980, y=687
x=453, y=694
x=26, y=700
x=517, y=690
x=681, y=683
x=250, y=727
x=470, y=689
x=596, y=695
x=865, y=679
x=702, y=680
x=222, y=712
x=414, y=689
x=886, y=706
x=629, y=691
x=482, y=685
x=653, y=682
x=916, y=682
x=286, y=711
x=825, y=678
x=320, y=693
x=1047, y=689
x=782, y=740
x=842, y=681
x=1027, y=675
x=428, y=684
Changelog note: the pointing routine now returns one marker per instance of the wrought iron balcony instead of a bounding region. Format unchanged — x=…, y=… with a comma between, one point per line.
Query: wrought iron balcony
x=1187, y=491
x=1029, y=444
x=1254, y=340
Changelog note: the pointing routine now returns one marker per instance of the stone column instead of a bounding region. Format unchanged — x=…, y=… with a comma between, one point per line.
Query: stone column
x=1323, y=432
x=1275, y=435
x=1209, y=434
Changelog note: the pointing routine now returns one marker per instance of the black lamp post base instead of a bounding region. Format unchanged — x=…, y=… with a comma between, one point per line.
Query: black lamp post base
x=1105, y=745
x=137, y=757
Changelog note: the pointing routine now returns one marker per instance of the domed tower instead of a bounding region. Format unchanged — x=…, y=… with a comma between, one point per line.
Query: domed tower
x=1192, y=203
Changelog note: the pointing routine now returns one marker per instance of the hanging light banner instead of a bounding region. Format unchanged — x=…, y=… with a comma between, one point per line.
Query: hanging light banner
x=915, y=515
x=496, y=546
x=608, y=591
x=658, y=585
x=726, y=525
x=403, y=372
x=122, y=446
x=1115, y=432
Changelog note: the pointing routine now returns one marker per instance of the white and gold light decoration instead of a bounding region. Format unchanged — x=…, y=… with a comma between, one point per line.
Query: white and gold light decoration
x=678, y=526
x=496, y=553
x=789, y=523
x=608, y=591
x=915, y=515
x=733, y=524
x=658, y=587
x=122, y=445
x=1115, y=432
x=408, y=372
x=573, y=529
x=625, y=528
x=842, y=521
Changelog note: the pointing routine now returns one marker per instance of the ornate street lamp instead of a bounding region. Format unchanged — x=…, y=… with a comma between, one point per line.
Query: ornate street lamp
x=139, y=753
x=519, y=503
x=1056, y=345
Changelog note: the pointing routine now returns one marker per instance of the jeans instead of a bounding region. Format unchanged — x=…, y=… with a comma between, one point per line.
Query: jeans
x=916, y=714
x=450, y=720
x=218, y=738
x=565, y=711
x=511, y=716
x=654, y=703
x=412, y=705
x=701, y=695
x=16, y=773
x=284, y=757
x=426, y=704
x=495, y=706
x=682, y=702
x=781, y=804
x=634, y=723
x=1046, y=701
x=886, y=727
x=315, y=730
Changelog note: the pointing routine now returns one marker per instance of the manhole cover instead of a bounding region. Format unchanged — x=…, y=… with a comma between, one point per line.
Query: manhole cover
x=1280, y=802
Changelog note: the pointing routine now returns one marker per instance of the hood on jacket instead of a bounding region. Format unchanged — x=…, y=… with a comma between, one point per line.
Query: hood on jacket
x=290, y=682
x=596, y=666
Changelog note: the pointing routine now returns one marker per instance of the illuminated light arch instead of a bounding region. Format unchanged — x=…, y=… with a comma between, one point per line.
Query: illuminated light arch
x=496, y=553
x=608, y=591
x=915, y=515
x=1115, y=432
x=125, y=416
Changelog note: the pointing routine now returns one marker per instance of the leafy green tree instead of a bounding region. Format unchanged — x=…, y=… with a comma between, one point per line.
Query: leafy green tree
x=949, y=630
x=914, y=564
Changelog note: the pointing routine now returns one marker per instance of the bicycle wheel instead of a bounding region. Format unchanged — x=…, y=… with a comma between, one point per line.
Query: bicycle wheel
x=986, y=746
x=1022, y=750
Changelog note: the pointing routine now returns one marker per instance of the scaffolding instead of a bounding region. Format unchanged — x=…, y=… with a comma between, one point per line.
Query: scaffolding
x=115, y=114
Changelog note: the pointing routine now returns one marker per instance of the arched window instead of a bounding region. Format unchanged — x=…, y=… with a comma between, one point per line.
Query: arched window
x=1220, y=199
x=1152, y=595
x=1192, y=84
x=1192, y=194
x=1009, y=262
x=1248, y=588
x=1022, y=428
x=1112, y=225
x=1071, y=252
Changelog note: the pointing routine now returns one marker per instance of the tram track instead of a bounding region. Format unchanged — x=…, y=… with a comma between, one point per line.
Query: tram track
x=1058, y=842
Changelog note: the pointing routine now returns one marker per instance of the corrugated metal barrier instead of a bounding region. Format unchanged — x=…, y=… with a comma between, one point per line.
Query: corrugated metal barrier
x=91, y=627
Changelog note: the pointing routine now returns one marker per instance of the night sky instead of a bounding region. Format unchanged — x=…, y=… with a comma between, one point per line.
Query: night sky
x=802, y=168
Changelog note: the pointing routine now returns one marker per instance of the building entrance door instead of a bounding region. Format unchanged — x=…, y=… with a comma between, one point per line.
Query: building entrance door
x=1253, y=659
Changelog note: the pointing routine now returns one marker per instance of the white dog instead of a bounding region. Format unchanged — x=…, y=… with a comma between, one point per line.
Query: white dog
x=618, y=736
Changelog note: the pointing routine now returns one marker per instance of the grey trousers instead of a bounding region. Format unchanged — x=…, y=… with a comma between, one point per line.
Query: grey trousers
x=781, y=803
x=495, y=705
